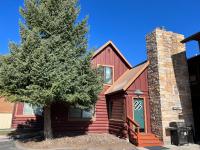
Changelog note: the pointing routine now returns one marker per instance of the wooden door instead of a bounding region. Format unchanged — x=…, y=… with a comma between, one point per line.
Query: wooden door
x=139, y=112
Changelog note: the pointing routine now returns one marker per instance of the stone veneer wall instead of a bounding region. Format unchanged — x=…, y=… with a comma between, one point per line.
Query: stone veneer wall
x=168, y=80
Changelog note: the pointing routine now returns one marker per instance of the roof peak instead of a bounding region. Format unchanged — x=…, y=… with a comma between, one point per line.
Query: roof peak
x=99, y=50
x=140, y=63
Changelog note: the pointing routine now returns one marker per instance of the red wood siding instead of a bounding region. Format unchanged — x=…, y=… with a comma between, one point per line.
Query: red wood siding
x=101, y=123
x=142, y=84
x=33, y=123
x=61, y=122
x=117, y=119
x=117, y=108
x=19, y=109
x=109, y=57
x=23, y=121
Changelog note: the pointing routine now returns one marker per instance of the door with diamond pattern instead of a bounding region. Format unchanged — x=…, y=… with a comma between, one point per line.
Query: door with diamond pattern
x=138, y=112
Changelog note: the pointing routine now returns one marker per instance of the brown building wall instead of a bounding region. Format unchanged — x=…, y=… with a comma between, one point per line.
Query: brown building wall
x=6, y=112
x=109, y=57
x=142, y=84
x=61, y=122
x=5, y=106
x=117, y=117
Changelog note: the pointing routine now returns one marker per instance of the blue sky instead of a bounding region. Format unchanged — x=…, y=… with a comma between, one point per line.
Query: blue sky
x=125, y=22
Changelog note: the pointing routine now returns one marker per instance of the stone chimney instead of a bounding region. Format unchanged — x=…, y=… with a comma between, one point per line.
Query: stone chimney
x=168, y=80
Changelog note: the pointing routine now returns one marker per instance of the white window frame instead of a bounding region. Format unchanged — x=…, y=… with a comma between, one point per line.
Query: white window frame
x=81, y=118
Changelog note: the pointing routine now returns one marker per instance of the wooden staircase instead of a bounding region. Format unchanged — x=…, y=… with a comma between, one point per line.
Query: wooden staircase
x=141, y=139
x=148, y=139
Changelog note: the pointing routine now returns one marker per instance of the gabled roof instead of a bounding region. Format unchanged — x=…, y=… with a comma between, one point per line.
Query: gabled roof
x=127, y=78
x=115, y=49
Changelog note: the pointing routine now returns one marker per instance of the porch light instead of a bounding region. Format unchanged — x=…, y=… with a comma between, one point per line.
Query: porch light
x=138, y=92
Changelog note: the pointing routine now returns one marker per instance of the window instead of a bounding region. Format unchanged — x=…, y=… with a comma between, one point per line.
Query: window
x=32, y=110
x=77, y=113
x=107, y=73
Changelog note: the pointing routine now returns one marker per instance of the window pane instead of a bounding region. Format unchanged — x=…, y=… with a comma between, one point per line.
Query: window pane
x=28, y=110
x=108, y=75
x=37, y=110
x=87, y=114
x=32, y=110
x=75, y=113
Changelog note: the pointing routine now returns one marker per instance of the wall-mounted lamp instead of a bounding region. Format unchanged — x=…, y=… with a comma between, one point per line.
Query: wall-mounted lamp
x=138, y=92
x=177, y=108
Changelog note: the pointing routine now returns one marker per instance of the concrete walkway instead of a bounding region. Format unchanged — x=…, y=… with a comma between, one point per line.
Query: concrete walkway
x=6, y=143
x=173, y=147
x=4, y=138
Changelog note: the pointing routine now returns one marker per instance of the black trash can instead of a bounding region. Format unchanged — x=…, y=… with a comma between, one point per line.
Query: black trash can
x=190, y=134
x=179, y=133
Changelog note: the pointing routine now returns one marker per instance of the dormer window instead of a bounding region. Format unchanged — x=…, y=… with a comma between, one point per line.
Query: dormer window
x=107, y=74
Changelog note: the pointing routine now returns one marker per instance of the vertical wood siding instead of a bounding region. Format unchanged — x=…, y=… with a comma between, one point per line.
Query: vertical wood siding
x=109, y=57
x=142, y=84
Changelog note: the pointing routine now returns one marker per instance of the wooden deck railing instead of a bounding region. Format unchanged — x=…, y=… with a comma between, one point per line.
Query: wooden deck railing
x=133, y=127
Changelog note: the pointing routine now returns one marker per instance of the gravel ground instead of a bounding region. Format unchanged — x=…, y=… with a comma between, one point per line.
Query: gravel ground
x=82, y=142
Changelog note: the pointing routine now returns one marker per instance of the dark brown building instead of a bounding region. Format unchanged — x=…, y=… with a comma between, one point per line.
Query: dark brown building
x=194, y=75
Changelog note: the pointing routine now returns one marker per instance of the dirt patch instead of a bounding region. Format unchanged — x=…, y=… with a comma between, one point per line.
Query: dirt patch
x=82, y=142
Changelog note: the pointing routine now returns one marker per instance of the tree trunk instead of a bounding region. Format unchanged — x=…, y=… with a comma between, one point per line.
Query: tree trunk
x=47, y=122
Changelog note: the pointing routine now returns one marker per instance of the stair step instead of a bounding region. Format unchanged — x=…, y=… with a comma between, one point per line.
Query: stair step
x=148, y=139
x=147, y=135
x=145, y=139
x=149, y=144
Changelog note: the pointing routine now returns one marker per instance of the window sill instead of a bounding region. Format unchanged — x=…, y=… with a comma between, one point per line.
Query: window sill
x=26, y=116
x=107, y=84
x=116, y=120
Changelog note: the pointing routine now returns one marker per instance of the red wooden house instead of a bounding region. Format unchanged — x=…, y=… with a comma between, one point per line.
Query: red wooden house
x=122, y=107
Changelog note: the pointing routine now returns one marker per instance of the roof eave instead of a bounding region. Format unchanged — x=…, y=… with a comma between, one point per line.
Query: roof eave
x=195, y=37
x=138, y=74
x=131, y=81
x=108, y=94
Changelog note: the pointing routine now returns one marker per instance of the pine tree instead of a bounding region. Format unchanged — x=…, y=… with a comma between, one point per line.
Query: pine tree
x=51, y=63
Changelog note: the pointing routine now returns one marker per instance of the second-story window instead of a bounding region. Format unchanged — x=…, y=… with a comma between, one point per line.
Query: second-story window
x=107, y=73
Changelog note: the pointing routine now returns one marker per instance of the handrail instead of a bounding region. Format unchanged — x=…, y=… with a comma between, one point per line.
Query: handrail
x=132, y=123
